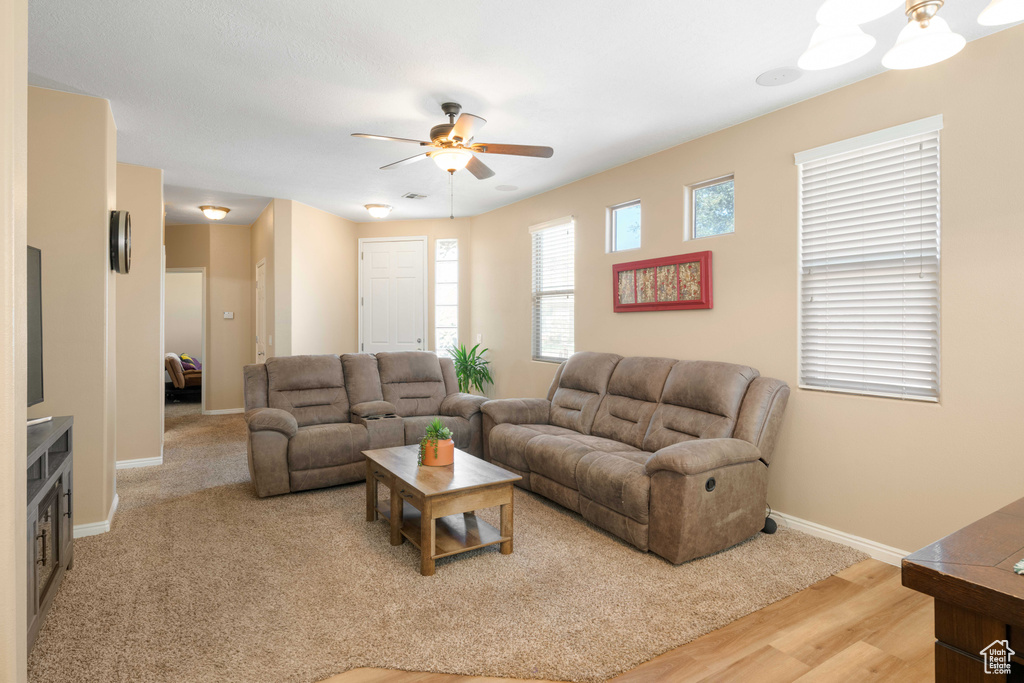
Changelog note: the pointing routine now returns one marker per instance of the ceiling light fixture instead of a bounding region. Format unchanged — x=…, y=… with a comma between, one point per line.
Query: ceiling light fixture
x=856, y=12
x=1001, y=12
x=833, y=46
x=925, y=40
x=214, y=213
x=378, y=210
x=451, y=159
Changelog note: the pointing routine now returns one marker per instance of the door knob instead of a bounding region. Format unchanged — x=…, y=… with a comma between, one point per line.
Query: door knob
x=418, y=340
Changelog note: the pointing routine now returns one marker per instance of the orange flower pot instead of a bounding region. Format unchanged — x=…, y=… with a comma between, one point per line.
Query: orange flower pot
x=443, y=453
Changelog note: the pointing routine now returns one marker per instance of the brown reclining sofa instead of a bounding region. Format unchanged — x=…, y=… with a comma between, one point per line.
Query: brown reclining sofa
x=671, y=456
x=311, y=417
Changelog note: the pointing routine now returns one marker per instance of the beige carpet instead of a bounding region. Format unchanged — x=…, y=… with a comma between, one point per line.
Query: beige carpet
x=198, y=580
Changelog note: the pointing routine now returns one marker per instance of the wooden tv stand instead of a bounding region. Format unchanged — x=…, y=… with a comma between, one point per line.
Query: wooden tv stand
x=51, y=521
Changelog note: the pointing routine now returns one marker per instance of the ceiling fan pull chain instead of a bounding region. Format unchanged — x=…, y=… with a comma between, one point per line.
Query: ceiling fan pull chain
x=451, y=194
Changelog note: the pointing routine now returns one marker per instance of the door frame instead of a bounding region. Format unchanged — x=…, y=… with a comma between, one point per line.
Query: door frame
x=206, y=357
x=426, y=281
x=256, y=312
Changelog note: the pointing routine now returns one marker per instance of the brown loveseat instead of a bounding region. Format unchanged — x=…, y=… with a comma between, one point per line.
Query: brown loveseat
x=671, y=456
x=310, y=417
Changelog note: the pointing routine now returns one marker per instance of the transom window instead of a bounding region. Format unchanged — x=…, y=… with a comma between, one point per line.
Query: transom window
x=869, y=264
x=624, y=226
x=446, y=295
x=554, y=279
x=712, y=204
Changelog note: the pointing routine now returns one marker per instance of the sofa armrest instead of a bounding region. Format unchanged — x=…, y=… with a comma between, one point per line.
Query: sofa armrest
x=518, y=410
x=702, y=455
x=272, y=419
x=462, y=405
x=373, y=409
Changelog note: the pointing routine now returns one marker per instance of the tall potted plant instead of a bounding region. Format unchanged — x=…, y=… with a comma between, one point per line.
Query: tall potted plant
x=471, y=368
x=437, y=447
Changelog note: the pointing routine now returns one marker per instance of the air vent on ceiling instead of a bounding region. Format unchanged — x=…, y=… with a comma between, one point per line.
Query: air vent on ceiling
x=413, y=195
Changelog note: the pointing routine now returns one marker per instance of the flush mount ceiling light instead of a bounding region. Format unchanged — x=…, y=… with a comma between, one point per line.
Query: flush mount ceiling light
x=1001, y=12
x=214, y=213
x=925, y=40
x=378, y=210
x=833, y=46
x=854, y=12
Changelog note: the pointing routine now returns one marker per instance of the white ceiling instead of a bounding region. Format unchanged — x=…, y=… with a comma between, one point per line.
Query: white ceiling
x=259, y=98
x=182, y=204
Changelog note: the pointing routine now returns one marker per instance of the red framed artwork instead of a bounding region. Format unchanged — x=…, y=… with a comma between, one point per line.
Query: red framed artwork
x=670, y=283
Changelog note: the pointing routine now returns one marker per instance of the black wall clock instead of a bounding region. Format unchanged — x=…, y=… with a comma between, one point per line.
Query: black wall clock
x=120, y=241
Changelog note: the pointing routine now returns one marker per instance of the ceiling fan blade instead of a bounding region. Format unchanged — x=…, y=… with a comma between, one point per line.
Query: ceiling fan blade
x=410, y=160
x=518, y=150
x=479, y=169
x=466, y=126
x=387, y=138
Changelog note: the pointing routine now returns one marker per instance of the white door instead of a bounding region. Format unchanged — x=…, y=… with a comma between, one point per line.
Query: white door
x=392, y=284
x=261, y=312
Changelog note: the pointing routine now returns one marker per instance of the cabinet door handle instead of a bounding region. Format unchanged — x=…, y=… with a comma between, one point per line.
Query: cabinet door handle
x=42, y=535
x=67, y=513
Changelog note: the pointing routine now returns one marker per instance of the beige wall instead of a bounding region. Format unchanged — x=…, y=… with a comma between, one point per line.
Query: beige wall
x=140, y=374
x=324, y=288
x=261, y=246
x=282, y=282
x=898, y=472
x=183, y=314
x=442, y=228
x=13, y=182
x=224, y=250
x=71, y=190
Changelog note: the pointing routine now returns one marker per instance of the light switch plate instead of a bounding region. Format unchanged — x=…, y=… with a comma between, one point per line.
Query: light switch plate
x=479, y=338
x=229, y=315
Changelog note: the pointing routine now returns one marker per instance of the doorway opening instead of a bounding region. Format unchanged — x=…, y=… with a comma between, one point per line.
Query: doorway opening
x=185, y=360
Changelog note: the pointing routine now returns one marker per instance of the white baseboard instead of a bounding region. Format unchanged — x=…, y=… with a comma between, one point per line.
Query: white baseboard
x=225, y=411
x=879, y=551
x=140, y=462
x=82, y=530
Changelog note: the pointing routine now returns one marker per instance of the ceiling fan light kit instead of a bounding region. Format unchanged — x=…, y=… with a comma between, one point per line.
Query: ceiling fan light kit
x=452, y=159
x=923, y=44
x=378, y=210
x=833, y=46
x=1001, y=12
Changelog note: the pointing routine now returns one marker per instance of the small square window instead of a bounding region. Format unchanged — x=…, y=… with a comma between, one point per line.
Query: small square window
x=712, y=204
x=624, y=226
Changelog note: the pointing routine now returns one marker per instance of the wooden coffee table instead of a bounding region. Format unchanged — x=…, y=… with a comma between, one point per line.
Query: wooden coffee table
x=434, y=507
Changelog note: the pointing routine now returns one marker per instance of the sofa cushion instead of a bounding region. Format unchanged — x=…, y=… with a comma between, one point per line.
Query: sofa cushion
x=507, y=442
x=327, y=445
x=412, y=381
x=556, y=456
x=581, y=386
x=701, y=400
x=312, y=388
x=633, y=393
x=362, y=381
x=416, y=429
x=617, y=481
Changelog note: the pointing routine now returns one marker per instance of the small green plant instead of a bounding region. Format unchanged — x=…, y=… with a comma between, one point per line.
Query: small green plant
x=471, y=367
x=436, y=431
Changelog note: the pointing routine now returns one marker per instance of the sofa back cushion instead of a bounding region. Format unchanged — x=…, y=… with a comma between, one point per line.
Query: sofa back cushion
x=362, y=381
x=412, y=381
x=701, y=400
x=632, y=397
x=581, y=387
x=311, y=388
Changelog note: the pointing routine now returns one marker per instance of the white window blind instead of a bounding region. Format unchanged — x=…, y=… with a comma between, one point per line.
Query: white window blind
x=554, y=281
x=869, y=264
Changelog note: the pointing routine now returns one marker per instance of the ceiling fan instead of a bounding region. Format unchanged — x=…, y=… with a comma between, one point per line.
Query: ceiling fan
x=452, y=148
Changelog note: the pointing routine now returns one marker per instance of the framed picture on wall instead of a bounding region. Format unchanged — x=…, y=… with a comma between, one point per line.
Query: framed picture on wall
x=670, y=283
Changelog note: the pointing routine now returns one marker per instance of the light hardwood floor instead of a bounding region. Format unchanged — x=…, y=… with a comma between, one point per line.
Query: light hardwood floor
x=859, y=625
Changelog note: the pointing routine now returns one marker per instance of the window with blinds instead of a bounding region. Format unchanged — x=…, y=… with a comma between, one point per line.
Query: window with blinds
x=869, y=264
x=554, y=281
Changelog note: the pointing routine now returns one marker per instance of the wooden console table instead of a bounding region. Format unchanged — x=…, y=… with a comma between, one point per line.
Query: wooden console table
x=978, y=598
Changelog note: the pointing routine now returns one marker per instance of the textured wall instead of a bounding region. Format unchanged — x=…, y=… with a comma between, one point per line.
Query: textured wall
x=183, y=314
x=901, y=473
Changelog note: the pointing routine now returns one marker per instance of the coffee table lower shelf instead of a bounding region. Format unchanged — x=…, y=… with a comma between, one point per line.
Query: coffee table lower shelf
x=452, y=535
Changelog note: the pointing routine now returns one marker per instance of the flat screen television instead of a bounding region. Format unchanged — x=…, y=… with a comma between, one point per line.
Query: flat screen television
x=35, y=326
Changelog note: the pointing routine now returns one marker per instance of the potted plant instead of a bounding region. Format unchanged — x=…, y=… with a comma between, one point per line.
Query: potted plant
x=437, y=447
x=471, y=368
